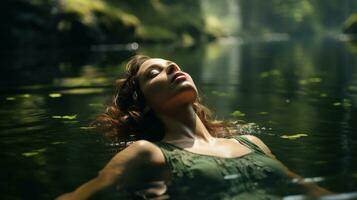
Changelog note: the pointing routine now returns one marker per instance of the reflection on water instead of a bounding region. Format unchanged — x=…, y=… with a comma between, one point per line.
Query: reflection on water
x=301, y=94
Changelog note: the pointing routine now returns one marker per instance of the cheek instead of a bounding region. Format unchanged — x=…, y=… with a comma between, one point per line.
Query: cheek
x=156, y=92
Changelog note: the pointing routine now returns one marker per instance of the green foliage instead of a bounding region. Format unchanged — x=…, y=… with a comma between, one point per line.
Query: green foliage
x=91, y=12
x=155, y=33
x=350, y=25
x=286, y=16
x=83, y=22
x=296, y=17
x=293, y=11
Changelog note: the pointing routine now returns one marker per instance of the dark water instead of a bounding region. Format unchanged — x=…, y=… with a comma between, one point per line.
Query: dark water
x=291, y=87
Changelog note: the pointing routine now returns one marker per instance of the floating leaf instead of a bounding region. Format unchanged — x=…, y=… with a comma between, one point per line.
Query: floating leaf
x=34, y=152
x=86, y=127
x=83, y=91
x=58, y=143
x=263, y=113
x=346, y=103
x=337, y=104
x=221, y=94
x=273, y=72
x=237, y=113
x=19, y=96
x=69, y=117
x=56, y=117
x=314, y=80
x=29, y=154
x=264, y=74
x=352, y=88
x=323, y=95
x=293, y=137
x=95, y=104
x=310, y=80
x=25, y=96
x=272, y=122
x=54, y=95
x=302, y=82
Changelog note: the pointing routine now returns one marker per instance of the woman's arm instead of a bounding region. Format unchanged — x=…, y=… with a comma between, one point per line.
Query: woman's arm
x=123, y=169
x=311, y=188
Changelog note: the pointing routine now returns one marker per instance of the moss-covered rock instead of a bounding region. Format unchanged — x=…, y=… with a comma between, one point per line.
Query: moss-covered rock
x=83, y=22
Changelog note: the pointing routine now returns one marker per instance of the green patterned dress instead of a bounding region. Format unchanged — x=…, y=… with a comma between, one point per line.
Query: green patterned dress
x=196, y=176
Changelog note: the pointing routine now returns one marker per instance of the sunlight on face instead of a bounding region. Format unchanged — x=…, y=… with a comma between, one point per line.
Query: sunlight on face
x=164, y=85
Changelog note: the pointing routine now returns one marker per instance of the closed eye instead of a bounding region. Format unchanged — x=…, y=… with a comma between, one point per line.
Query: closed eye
x=153, y=72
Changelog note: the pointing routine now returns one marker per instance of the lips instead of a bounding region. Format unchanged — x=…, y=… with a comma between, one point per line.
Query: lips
x=178, y=75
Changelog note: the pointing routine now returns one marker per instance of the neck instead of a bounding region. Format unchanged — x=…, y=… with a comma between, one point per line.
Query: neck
x=182, y=124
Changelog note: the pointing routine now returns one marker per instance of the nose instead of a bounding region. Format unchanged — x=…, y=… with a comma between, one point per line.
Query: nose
x=172, y=68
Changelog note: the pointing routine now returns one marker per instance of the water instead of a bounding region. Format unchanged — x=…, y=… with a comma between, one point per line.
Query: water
x=286, y=87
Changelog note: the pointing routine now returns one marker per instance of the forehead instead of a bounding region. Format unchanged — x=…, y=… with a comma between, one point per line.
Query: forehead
x=151, y=62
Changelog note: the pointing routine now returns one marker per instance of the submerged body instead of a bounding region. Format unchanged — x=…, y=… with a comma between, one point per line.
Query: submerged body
x=253, y=175
x=178, y=154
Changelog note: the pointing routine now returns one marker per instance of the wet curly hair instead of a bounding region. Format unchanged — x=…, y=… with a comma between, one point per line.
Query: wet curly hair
x=126, y=119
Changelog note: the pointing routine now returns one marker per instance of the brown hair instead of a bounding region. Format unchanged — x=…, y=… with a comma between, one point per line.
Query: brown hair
x=125, y=119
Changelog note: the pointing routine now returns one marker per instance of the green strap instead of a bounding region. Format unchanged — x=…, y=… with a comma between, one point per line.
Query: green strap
x=164, y=146
x=169, y=153
x=246, y=142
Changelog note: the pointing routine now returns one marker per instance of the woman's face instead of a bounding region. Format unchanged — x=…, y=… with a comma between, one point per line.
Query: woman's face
x=164, y=85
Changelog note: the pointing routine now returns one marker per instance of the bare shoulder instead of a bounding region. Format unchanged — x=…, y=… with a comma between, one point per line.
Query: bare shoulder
x=133, y=163
x=127, y=168
x=140, y=154
x=141, y=151
x=259, y=143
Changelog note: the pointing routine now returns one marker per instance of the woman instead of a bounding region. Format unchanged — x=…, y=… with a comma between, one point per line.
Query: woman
x=178, y=153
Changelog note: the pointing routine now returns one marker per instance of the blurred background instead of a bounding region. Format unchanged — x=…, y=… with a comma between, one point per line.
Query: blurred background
x=286, y=67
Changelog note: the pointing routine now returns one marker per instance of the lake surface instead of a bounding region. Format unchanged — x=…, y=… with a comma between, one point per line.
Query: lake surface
x=301, y=96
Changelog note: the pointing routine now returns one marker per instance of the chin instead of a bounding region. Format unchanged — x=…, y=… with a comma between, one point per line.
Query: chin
x=184, y=87
x=184, y=96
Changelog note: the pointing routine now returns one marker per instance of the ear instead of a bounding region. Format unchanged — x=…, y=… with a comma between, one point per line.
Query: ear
x=135, y=96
